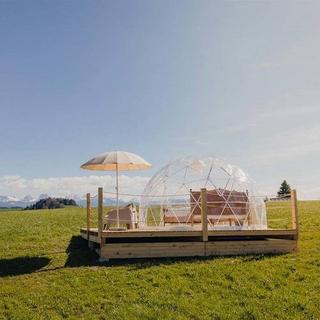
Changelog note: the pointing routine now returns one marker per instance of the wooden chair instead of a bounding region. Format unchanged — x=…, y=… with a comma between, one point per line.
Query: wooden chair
x=127, y=216
x=222, y=206
x=171, y=218
x=234, y=211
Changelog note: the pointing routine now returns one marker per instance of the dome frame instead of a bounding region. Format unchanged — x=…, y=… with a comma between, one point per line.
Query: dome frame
x=171, y=198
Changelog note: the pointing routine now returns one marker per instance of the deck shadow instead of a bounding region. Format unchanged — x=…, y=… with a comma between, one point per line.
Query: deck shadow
x=22, y=265
x=79, y=254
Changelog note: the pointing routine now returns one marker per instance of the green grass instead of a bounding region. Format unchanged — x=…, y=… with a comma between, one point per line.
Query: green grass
x=46, y=272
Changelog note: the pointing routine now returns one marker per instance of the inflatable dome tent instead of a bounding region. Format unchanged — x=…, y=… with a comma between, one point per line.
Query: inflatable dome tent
x=172, y=196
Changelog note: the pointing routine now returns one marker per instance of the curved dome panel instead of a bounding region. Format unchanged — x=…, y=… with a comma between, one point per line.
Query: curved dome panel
x=172, y=196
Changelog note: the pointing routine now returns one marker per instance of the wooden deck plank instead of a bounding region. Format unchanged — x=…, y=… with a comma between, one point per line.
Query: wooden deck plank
x=138, y=233
x=267, y=246
x=186, y=249
x=152, y=250
x=93, y=237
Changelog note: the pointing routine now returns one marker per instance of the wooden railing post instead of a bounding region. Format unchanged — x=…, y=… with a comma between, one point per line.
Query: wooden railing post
x=204, y=220
x=100, y=213
x=294, y=211
x=88, y=216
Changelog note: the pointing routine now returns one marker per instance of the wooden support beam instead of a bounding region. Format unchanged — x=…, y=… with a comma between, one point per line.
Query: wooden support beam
x=100, y=212
x=294, y=211
x=88, y=216
x=204, y=219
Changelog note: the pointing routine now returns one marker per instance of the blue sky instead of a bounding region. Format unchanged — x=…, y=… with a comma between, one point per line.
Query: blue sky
x=164, y=79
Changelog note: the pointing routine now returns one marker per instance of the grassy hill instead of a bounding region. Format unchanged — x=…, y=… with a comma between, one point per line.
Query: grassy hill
x=46, y=272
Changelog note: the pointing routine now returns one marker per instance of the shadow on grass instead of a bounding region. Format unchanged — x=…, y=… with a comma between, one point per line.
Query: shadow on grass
x=22, y=265
x=79, y=255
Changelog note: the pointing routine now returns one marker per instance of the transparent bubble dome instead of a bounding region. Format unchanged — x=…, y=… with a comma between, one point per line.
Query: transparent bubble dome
x=172, y=199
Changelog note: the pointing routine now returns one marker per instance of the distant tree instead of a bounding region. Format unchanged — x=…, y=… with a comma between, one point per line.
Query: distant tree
x=67, y=202
x=284, y=189
x=51, y=203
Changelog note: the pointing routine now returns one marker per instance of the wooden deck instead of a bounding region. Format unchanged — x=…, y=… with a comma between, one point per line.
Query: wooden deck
x=165, y=242
x=163, y=233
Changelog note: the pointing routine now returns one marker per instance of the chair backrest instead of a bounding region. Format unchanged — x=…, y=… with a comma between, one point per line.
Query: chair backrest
x=237, y=202
x=126, y=214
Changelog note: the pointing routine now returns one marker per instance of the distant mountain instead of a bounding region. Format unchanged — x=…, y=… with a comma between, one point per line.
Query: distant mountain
x=10, y=202
x=82, y=202
x=8, y=198
x=43, y=196
x=28, y=198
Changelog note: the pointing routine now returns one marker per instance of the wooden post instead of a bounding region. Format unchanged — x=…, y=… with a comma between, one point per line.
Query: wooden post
x=88, y=216
x=100, y=214
x=294, y=211
x=249, y=219
x=204, y=219
x=192, y=207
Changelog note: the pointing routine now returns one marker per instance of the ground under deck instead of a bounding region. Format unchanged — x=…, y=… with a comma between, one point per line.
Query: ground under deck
x=160, y=242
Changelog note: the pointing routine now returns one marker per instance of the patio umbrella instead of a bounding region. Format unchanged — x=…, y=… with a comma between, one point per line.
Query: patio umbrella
x=116, y=161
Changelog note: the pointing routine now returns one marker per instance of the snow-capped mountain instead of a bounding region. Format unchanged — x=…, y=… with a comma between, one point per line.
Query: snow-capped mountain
x=107, y=201
x=9, y=202
x=43, y=196
x=29, y=198
x=8, y=199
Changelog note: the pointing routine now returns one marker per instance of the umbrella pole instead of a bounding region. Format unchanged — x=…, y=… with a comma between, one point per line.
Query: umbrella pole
x=118, y=222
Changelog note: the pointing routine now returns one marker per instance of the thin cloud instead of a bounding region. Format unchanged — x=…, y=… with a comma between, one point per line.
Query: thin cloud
x=296, y=142
x=289, y=112
x=301, y=54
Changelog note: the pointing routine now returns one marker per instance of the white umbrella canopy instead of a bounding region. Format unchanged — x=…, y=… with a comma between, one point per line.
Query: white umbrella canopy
x=116, y=161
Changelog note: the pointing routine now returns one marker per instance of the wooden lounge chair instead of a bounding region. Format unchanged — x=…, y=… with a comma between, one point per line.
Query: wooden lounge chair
x=127, y=216
x=227, y=206
x=171, y=218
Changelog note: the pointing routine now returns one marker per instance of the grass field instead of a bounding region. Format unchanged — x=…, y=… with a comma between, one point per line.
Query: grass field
x=46, y=272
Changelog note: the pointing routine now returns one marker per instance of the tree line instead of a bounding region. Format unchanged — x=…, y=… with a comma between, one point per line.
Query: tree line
x=51, y=203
